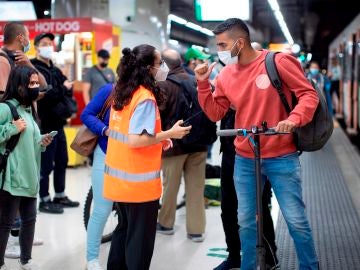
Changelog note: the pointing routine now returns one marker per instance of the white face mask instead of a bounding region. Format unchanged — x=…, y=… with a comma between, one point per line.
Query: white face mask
x=46, y=52
x=162, y=72
x=226, y=58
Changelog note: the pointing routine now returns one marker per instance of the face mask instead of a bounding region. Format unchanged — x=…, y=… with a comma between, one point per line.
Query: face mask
x=226, y=58
x=162, y=73
x=31, y=94
x=314, y=71
x=103, y=65
x=46, y=52
x=27, y=47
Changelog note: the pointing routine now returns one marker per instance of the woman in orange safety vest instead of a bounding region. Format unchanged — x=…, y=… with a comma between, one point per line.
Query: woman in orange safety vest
x=133, y=158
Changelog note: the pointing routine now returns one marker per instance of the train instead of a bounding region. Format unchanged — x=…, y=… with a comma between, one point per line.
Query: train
x=345, y=50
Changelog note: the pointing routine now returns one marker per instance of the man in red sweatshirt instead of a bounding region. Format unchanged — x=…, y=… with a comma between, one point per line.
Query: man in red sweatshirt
x=244, y=85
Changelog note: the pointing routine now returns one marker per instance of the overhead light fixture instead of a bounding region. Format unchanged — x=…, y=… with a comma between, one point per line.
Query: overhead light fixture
x=193, y=26
x=280, y=18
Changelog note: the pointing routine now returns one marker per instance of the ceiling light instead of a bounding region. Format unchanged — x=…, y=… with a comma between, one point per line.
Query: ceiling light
x=280, y=18
x=190, y=25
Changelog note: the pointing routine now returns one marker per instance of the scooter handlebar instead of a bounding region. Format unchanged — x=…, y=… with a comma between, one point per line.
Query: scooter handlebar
x=227, y=132
x=241, y=132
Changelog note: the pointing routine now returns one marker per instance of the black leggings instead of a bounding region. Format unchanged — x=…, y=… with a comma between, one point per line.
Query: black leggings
x=9, y=206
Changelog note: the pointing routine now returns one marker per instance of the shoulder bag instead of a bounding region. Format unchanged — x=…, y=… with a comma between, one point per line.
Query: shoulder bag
x=85, y=140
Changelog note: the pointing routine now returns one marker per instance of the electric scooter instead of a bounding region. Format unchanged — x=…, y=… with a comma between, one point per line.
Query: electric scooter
x=254, y=136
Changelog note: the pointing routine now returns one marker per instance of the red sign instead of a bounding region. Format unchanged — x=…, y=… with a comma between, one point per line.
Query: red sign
x=60, y=26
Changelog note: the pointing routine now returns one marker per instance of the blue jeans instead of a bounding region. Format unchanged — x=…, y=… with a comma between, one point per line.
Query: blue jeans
x=284, y=175
x=102, y=207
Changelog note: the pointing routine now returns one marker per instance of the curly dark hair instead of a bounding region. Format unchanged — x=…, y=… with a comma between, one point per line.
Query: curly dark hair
x=132, y=72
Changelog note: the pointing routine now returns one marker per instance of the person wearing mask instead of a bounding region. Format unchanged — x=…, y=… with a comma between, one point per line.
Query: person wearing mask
x=101, y=207
x=322, y=82
x=55, y=158
x=335, y=76
x=189, y=159
x=13, y=53
x=243, y=84
x=132, y=179
x=20, y=187
x=193, y=57
x=97, y=76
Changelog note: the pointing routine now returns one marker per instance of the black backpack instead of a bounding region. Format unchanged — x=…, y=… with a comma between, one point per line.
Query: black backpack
x=10, y=144
x=314, y=135
x=203, y=131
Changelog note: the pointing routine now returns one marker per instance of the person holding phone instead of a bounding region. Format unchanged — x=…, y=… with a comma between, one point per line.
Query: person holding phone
x=20, y=186
x=51, y=114
x=132, y=179
x=184, y=158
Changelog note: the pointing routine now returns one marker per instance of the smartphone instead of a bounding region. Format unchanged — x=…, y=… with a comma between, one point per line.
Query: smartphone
x=53, y=133
x=187, y=121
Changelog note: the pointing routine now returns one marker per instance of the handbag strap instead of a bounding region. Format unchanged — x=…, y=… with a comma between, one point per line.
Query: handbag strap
x=106, y=106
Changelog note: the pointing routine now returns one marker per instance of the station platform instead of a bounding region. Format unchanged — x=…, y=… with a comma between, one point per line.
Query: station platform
x=331, y=184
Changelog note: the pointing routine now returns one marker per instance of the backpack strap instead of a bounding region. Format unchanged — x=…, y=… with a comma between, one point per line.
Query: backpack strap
x=13, y=110
x=11, y=143
x=274, y=77
x=4, y=54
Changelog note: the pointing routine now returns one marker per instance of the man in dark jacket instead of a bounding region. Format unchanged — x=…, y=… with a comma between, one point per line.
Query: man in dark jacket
x=52, y=113
x=190, y=159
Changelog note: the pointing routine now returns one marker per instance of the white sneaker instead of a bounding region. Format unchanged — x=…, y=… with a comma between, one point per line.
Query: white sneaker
x=94, y=265
x=28, y=266
x=12, y=251
x=3, y=267
x=15, y=240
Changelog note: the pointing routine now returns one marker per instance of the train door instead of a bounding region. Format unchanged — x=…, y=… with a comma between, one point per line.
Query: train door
x=354, y=93
x=340, y=109
x=357, y=73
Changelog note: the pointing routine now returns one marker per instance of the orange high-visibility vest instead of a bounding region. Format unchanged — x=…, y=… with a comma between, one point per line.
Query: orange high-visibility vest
x=131, y=174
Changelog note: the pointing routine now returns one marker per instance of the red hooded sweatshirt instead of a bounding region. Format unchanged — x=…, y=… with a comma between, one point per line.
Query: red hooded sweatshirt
x=248, y=90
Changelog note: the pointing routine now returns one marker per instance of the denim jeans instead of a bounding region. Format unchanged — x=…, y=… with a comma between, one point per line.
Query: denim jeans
x=102, y=207
x=284, y=175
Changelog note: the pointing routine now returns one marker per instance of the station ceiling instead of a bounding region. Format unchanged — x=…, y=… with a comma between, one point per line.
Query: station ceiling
x=312, y=23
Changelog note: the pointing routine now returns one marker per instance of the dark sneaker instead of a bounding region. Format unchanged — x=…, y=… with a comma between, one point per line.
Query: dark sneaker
x=196, y=237
x=163, y=230
x=228, y=264
x=51, y=208
x=66, y=202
